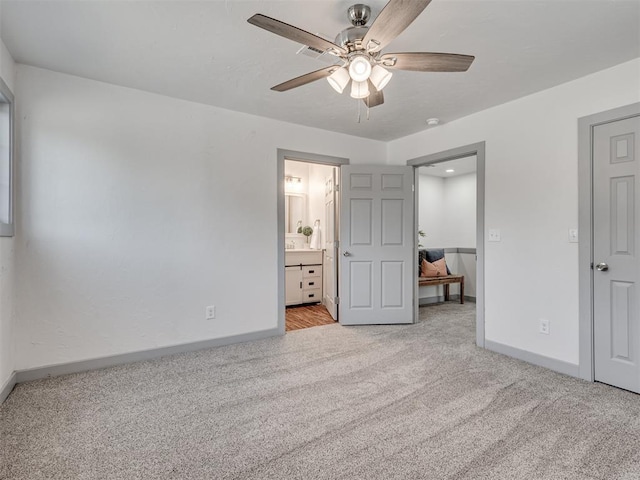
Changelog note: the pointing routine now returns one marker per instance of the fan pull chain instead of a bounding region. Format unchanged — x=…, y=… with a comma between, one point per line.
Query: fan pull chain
x=358, y=110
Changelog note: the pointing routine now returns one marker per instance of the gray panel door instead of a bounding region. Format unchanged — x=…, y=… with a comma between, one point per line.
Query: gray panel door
x=376, y=245
x=616, y=253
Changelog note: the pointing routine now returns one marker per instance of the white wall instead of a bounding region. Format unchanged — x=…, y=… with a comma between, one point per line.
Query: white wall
x=531, y=195
x=312, y=186
x=430, y=211
x=460, y=211
x=447, y=211
x=139, y=210
x=7, y=340
x=317, y=182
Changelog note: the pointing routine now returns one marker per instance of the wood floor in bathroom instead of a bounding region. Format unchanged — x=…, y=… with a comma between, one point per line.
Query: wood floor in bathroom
x=306, y=316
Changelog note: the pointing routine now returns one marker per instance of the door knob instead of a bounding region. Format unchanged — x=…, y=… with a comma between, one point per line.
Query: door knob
x=602, y=267
x=346, y=254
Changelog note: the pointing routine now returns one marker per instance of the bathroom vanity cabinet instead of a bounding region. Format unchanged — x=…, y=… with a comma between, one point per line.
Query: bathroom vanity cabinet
x=303, y=276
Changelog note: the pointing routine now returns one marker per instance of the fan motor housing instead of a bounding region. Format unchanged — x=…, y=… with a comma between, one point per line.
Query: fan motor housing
x=350, y=36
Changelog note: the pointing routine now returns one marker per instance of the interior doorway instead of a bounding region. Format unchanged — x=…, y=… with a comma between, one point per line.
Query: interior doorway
x=447, y=231
x=307, y=226
x=469, y=161
x=310, y=230
x=609, y=179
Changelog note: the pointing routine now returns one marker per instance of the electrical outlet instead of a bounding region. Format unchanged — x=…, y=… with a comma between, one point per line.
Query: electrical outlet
x=544, y=326
x=211, y=312
x=494, y=235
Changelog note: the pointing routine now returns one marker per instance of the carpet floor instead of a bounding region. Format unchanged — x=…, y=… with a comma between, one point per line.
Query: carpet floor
x=385, y=402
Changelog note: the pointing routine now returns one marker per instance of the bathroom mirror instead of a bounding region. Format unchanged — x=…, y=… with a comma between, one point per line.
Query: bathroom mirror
x=294, y=211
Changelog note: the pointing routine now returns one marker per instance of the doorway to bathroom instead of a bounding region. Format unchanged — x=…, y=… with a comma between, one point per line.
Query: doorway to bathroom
x=310, y=240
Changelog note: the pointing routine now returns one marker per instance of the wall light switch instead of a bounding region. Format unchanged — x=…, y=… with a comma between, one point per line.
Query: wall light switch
x=210, y=312
x=494, y=235
x=573, y=235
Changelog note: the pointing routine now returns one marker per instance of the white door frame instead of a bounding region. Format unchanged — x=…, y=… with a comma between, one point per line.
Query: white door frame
x=477, y=149
x=298, y=157
x=586, y=127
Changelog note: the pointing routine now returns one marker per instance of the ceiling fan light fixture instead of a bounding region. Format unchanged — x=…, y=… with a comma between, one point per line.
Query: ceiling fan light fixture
x=380, y=77
x=359, y=68
x=339, y=79
x=359, y=89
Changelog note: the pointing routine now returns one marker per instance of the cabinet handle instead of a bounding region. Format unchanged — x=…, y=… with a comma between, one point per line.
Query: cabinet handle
x=312, y=295
x=312, y=283
x=300, y=284
x=312, y=271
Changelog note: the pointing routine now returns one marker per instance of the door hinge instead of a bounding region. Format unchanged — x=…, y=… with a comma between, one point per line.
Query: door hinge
x=337, y=244
x=337, y=187
x=591, y=265
x=336, y=300
x=413, y=188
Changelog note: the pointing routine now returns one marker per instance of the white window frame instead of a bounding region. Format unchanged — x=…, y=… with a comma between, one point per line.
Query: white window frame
x=6, y=229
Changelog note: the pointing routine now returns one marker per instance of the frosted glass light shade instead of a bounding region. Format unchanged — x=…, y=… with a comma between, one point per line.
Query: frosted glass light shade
x=359, y=89
x=359, y=68
x=339, y=79
x=380, y=77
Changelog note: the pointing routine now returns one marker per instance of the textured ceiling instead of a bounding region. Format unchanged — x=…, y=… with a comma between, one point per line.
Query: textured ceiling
x=208, y=53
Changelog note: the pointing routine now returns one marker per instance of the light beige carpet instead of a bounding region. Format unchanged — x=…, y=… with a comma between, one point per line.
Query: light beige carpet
x=390, y=402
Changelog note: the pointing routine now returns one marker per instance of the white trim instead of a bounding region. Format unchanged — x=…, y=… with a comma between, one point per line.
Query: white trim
x=7, y=229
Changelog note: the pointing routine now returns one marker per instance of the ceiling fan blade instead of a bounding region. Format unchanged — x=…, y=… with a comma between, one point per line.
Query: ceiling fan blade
x=375, y=98
x=306, y=78
x=427, y=62
x=391, y=22
x=296, y=34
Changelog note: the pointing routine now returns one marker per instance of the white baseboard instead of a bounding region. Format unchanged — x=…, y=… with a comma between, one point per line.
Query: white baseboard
x=559, y=366
x=113, y=360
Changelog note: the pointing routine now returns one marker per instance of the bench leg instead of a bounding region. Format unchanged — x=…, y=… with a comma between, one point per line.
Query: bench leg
x=462, y=290
x=446, y=292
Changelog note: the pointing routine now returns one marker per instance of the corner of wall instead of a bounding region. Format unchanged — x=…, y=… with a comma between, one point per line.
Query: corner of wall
x=7, y=259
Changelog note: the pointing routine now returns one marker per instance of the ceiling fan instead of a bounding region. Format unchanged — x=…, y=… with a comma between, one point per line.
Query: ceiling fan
x=359, y=49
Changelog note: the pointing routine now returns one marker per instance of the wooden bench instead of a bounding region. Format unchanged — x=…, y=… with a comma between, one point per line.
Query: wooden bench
x=446, y=281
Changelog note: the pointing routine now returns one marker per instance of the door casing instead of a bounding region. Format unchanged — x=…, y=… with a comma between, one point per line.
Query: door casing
x=586, y=126
x=299, y=157
x=477, y=149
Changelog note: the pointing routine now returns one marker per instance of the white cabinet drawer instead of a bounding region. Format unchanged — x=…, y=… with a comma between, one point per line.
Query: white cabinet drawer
x=314, y=295
x=311, y=283
x=307, y=257
x=311, y=271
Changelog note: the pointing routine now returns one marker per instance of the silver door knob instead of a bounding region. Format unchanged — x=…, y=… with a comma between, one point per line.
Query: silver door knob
x=602, y=267
x=346, y=254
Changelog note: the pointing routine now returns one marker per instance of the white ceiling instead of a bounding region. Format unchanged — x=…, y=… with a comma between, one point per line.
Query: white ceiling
x=205, y=51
